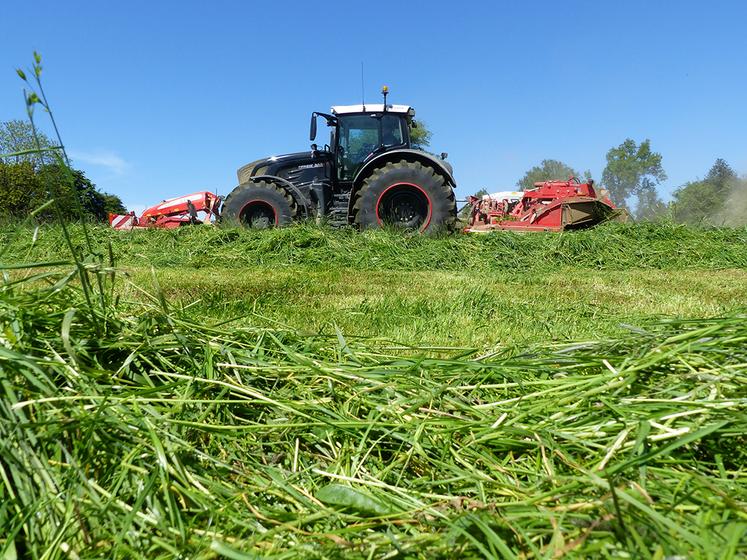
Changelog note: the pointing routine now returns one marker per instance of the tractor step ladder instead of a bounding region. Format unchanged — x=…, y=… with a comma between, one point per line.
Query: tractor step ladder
x=338, y=212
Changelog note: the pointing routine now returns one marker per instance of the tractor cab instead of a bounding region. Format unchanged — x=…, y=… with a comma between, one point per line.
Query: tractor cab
x=360, y=132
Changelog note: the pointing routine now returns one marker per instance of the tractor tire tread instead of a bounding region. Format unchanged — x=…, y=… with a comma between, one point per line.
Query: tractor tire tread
x=444, y=193
x=229, y=214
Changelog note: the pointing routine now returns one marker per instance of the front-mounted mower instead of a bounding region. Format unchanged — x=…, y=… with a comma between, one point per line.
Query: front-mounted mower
x=197, y=208
x=368, y=175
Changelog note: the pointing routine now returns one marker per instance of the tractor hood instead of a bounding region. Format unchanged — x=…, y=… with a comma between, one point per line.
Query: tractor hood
x=273, y=164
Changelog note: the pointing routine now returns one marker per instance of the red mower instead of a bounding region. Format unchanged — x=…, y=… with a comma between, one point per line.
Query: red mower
x=549, y=206
x=197, y=208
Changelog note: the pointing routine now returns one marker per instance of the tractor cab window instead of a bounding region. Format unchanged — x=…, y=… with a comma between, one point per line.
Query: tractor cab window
x=391, y=131
x=361, y=135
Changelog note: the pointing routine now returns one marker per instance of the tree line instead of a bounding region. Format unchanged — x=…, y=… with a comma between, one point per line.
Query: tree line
x=29, y=177
x=632, y=175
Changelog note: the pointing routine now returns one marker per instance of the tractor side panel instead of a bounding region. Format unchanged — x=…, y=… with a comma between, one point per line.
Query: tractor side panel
x=296, y=173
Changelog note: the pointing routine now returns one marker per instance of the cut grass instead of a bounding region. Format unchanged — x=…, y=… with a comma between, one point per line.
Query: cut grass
x=160, y=436
x=479, y=310
x=469, y=291
x=137, y=429
x=609, y=247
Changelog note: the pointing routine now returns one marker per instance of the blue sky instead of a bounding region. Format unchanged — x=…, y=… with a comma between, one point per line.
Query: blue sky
x=160, y=98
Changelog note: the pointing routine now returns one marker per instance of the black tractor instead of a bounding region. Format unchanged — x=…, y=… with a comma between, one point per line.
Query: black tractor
x=368, y=175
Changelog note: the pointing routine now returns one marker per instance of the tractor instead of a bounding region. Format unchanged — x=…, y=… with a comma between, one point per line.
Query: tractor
x=368, y=176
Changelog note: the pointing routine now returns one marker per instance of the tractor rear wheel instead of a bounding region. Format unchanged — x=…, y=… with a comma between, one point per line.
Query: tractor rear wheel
x=406, y=195
x=259, y=205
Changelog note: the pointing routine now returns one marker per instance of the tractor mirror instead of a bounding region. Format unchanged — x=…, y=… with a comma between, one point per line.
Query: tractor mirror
x=312, y=130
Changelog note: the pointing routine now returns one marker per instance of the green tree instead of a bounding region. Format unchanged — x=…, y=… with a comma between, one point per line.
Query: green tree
x=420, y=136
x=73, y=182
x=547, y=170
x=23, y=189
x=706, y=201
x=633, y=170
x=17, y=136
x=695, y=202
x=27, y=180
x=111, y=203
x=650, y=207
x=721, y=175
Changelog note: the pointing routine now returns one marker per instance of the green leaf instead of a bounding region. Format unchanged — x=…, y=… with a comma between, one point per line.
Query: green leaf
x=667, y=449
x=228, y=552
x=21, y=74
x=10, y=551
x=346, y=497
x=37, y=57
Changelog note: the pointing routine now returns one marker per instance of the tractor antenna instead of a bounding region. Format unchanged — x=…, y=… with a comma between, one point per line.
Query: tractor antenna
x=363, y=90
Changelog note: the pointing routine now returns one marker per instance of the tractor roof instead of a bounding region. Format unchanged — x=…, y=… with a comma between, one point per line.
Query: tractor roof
x=372, y=108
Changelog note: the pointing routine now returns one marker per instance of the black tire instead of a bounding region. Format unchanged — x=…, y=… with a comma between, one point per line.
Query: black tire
x=407, y=195
x=260, y=205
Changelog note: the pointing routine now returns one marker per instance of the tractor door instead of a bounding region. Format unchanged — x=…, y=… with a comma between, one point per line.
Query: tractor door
x=361, y=135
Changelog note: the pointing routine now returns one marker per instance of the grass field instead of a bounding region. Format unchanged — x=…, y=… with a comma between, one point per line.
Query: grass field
x=305, y=393
x=475, y=292
x=478, y=310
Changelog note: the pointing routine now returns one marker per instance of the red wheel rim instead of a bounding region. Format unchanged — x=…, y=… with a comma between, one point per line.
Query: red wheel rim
x=404, y=204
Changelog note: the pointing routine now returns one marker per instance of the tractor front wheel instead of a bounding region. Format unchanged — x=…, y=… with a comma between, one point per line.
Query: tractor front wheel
x=405, y=195
x=259, y=205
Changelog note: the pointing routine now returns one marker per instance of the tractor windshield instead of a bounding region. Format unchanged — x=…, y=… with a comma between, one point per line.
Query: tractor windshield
x=360, y=135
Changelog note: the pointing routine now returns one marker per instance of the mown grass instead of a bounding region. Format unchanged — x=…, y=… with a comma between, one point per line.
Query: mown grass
x=467, y=291
x=150, y=434
x=186, y=421
x=610, y=247
x=436, y=308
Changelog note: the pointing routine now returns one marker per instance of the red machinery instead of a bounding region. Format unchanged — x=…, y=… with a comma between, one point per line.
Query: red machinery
x=549, y=206
x=172, y=213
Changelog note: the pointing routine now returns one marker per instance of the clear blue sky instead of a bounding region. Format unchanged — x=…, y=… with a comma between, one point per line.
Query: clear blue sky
x=160, y=98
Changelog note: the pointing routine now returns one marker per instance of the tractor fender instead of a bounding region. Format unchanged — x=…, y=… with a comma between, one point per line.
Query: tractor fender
x=292, y=189
x=439, y=166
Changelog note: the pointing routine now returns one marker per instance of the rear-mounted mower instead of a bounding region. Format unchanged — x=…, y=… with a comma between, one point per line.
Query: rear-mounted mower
x=549, y=206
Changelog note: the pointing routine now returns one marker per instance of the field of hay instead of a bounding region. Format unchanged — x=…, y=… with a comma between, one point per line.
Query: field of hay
x=308, y=393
